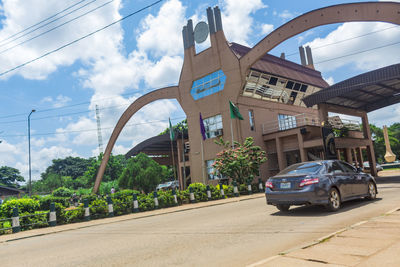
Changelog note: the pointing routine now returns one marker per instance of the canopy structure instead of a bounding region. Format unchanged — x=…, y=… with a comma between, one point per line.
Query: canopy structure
x=156, y=145
x=367, y=92
x=159, y=144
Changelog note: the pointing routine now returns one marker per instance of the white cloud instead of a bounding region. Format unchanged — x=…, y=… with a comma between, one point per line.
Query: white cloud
x=15, y=155
x=164, y=72
x=329, y=80
x=385, y=116
x=237, y=22
x=286, y=14
x=323, y=51
x=59, y=102
x=19, y=15
x=161, y=35
x=266, y=28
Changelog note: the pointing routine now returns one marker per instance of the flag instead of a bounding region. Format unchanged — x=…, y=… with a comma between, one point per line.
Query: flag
x=235, y=114
x=171, y=131
x=202, y=129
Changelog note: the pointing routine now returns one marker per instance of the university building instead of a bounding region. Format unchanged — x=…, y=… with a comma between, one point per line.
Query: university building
x=270, y=96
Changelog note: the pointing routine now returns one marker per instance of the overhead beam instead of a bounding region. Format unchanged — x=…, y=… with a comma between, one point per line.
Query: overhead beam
x=388, y=87
x=381, y=103
x=352, y=99
x=371, y=93
x=343, y=110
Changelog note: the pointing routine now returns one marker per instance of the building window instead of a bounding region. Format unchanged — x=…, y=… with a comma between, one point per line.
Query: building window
x=272, y=88
x=210, y=170
x=251, y=120
x=213, y=126
x=286, y=122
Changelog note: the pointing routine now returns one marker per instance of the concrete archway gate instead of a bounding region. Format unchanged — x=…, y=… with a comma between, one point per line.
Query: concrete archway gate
x=352, y=12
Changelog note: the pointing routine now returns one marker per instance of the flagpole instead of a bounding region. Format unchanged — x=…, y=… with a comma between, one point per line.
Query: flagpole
x=172, y=136
x=232, y=133
x=173, y=161
x=202, y=161
x=184, y=160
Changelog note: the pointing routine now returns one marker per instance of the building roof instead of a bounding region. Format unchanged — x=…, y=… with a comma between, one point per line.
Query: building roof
x=156, y=144
x=282, y=67
x=368, y=91
x=15, y=190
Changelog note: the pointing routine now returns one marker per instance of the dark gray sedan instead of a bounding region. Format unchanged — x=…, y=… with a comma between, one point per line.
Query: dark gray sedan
x=325, y=182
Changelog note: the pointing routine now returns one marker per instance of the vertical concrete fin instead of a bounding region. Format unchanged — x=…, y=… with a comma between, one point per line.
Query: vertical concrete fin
x=310, y=60
x=218, y=20
x=190, y=33
x=185, y=38
x=211, y=20
x=302, y=56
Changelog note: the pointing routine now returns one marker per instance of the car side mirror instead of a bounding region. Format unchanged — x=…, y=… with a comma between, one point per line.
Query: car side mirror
x=359, y=170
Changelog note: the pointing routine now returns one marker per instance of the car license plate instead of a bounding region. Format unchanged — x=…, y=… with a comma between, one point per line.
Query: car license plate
x=285, y=185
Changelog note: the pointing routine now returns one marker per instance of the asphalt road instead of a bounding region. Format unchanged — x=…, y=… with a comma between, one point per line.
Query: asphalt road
x=234, y=234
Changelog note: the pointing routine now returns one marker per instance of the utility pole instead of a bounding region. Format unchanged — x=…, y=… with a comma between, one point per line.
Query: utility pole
x=29, y=148
x=99, y=137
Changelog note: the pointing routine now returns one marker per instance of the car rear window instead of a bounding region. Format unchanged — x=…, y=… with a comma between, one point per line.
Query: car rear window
x=302, y=168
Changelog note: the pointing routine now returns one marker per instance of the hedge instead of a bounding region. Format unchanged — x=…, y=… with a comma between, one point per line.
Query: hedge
x=38, y=206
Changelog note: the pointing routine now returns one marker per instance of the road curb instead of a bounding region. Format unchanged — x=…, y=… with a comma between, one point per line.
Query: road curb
x=132, y=216
x=320, y=240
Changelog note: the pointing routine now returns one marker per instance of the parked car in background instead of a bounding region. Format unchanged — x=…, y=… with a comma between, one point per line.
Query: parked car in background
x=168, y=185
x=325, y=182
x=366, y=167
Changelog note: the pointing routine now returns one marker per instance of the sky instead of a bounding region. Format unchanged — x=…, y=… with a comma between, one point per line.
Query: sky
x=111, y=68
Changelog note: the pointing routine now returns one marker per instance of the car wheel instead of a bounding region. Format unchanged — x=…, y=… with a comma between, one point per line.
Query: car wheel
x=334, y=201
x=371, y=191
x=283, y=207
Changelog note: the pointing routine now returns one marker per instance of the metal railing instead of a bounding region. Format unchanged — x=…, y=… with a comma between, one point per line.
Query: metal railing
x=304, y=119
x=290, y=122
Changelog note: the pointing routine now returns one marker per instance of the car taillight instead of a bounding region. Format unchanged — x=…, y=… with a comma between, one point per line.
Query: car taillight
x=269, y=184
x=308, y=181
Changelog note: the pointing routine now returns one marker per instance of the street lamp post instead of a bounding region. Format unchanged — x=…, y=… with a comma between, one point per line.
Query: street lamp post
x=29, y=149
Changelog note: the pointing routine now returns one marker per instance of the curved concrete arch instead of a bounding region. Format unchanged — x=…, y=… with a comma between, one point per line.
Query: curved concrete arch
x=164, y=93
x=367, y=11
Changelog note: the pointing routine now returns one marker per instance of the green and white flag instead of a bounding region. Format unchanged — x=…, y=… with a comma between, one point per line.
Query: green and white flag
x=235, y=114
x=171, y=131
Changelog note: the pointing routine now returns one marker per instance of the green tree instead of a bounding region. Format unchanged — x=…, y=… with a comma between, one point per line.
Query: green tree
x=10, y=176
x=179, y=127
x=241, y=162
x=115, y=166
x=141, y=173
x=379, y=141
x=70, y=166
x=47, y=184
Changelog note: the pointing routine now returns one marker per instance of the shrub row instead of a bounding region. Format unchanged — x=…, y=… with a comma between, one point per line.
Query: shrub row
x=38, y=207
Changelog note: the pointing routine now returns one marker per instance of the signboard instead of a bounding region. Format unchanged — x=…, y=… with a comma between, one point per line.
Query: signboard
x=208, y=85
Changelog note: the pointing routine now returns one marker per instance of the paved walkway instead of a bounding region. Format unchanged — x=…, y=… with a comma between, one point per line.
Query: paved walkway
x=375, y=242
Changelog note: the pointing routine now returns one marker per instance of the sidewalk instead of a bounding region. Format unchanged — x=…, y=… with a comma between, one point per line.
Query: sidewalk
x=132, y=216
x=375, y=242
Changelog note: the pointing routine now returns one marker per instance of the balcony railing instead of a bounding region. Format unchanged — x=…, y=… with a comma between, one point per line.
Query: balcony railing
x=339, y=123
x=305, y=119
x=291, y=122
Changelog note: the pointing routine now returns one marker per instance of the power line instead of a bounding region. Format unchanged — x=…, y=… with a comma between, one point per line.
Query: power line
x=64, y=115
x=79, y=39
x=355, y=53
x=345, y=40
x=54, y=28
x=84, y=103
x=91, y=130
x=40, y=22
